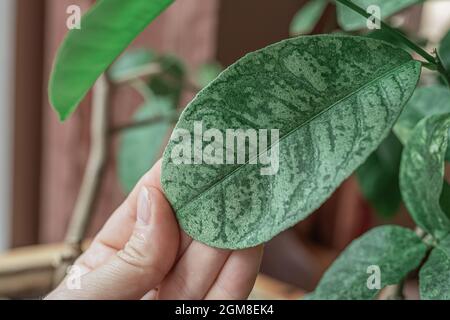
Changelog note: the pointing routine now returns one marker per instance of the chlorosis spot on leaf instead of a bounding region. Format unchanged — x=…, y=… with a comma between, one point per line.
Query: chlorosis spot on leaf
x=333, y=98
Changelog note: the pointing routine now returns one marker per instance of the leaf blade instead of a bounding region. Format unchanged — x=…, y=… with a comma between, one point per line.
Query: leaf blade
x=107, y=29
x=434, y=276
x=274, y=94
x=378, y=177
x=425, y=102
x=395, y=250
x=422, y=173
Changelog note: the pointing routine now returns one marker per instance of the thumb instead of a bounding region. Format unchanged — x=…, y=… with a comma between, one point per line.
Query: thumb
x=146, y=258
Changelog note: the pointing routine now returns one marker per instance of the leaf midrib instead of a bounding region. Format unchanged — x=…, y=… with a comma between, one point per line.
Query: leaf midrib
x=325, y=110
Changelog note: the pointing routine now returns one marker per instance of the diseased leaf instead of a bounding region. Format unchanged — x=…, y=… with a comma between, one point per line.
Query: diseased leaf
x=141, y=147
x=207, y=73
x=378, y=177
x=333, y=100
x=425, y=102
x=351, y=21
x=307, y=17
x=434, y=276
x=106, y=30
x=396, y=251
x=422, y=173
x=130, y=63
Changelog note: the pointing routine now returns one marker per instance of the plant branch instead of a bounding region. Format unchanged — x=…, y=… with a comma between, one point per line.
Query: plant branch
x=84, y=206
x=143, y=123
x=392, y=31
x=147, y=70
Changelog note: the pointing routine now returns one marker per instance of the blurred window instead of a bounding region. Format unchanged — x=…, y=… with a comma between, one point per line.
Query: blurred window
x=7, y=14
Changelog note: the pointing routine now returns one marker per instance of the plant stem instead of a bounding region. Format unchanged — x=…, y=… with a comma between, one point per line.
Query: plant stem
x=84, y=206
x=150, y=69
x=392, y=31
x=143, y=123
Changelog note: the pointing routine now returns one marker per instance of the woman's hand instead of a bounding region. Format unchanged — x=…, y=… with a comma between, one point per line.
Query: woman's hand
x=141, y=253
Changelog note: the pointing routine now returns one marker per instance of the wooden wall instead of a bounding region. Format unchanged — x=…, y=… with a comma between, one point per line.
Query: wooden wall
x=188, y=29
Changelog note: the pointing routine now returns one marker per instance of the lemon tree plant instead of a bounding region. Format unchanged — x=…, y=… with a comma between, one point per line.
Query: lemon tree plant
x=342, y=102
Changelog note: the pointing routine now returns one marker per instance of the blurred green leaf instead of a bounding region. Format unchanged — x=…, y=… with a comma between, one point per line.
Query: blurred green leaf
x=141, y=147
x=425, y=102
x=207, y=72
x=107, y=29
x=378, y=177
x=307, y=17
x=351, y=21
x=434, y=276
x=130, y=63
x=422, y=174
x=171, y=80
x=382, y=34
x=396, y=251
x=444, y=52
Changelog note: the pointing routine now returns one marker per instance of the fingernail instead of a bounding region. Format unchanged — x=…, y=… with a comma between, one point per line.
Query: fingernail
x=143, y=207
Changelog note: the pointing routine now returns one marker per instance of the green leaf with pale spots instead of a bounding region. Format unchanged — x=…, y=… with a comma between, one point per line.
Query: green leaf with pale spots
x=434, y=276
x=426, y=101
x=106, y=31
x=334, y=100
x=351, y=21
x=141, y=147
x=378, y=177
x=307, y=17
x=396, y=251
x=422, y=174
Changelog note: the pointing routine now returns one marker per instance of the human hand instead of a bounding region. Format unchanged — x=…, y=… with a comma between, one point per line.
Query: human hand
x=141, y=253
